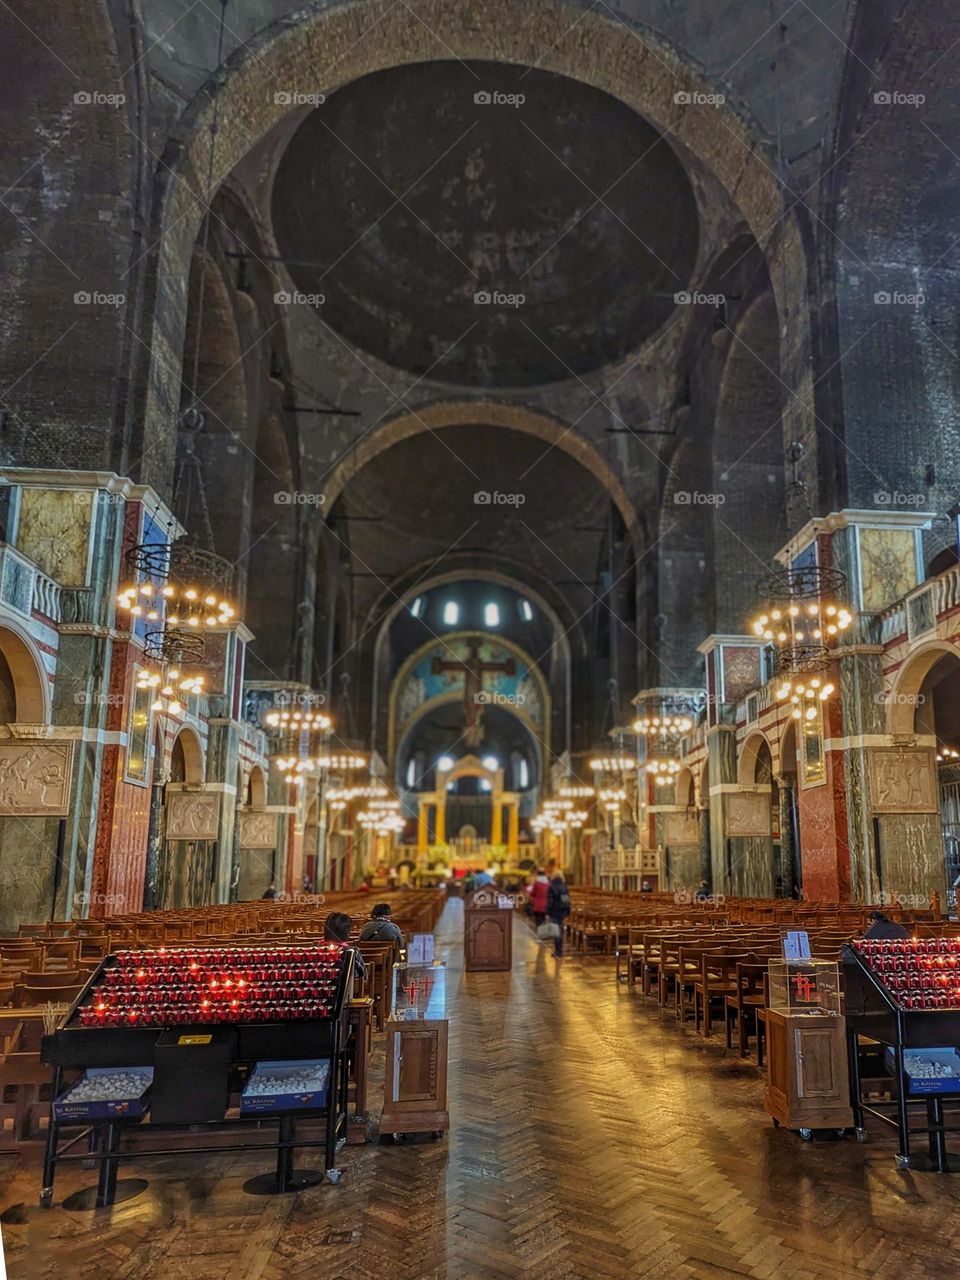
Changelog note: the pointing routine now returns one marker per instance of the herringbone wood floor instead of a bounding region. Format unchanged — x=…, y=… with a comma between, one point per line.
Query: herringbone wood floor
x=589, y=1140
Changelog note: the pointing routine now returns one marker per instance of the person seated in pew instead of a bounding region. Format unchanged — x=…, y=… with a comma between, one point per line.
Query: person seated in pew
x=380, y=927
x=881, y=927
x=336, y=928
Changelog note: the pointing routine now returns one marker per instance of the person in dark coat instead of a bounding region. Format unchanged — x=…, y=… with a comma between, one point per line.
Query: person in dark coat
x=380, y=927
x=881, y=927
x=558, y=908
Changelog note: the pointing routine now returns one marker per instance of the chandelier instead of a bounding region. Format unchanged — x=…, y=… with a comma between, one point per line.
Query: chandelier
x=167, y=591
x=804, y=618
x=663, y=732
x=296, y=732
x=171, y=688
x=663, y=769
x=294, y=769
x=805, y=695
x=663, y=726
x=576, y=792
x=382, y=817
x=296, y=721
x=343, y=795
x=340, y=761
x=613, y=764
x=612, y=798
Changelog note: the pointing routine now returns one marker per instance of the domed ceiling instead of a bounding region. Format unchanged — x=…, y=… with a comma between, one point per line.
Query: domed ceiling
x=412, y=195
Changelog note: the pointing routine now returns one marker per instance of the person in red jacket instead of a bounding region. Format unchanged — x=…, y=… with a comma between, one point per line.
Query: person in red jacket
x=538, y=891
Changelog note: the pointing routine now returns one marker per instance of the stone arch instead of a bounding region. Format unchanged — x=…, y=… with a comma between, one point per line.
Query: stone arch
x=631, y=63
x=222, y=447
x=902, y=698
x=684, y=788
x=491, y=413
x=748, y=465
x=30, y=684
x=272, y=610
x=400, y=596
x=540, y=735
x=193, y=764
x=561, y=683
x=751, y=754
x=256, y=788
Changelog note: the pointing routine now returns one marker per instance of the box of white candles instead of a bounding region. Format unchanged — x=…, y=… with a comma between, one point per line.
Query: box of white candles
x=286, y=1086
x=106, y=1093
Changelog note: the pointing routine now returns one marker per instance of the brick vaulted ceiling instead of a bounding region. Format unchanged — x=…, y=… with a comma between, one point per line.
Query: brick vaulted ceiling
x=413, y=195
x=416, y=505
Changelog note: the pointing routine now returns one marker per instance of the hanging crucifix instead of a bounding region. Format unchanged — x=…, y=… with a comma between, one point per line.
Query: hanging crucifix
x=474, y=669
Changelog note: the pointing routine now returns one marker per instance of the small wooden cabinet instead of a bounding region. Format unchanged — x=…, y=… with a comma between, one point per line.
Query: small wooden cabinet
x=415, y=1087
x=808, y=1085
x=487, y=935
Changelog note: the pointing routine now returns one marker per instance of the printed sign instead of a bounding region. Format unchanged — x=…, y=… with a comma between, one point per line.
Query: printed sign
x=420, y=949
x=796, y=945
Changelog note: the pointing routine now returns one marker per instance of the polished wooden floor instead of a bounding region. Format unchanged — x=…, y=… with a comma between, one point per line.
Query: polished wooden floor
x=589, y=1140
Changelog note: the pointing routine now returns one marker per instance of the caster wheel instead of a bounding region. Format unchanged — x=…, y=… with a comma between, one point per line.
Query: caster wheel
x=46, y=1197
x=776, y=1123
x=902, y=1162
x=436, y=1135
x=806, y=1134
x=841, y=1133
x=861, y=1135
x=334, y=1176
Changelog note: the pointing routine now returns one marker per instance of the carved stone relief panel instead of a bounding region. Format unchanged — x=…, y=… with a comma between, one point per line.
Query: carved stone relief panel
x=258, y=830
x=748, y=813
x=193, y=815
x=35, y=778
x=903, y=781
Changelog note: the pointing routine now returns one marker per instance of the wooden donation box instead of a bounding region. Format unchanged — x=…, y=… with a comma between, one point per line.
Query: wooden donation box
x=415, y=1085
x=487, y=932
x=808, y=1085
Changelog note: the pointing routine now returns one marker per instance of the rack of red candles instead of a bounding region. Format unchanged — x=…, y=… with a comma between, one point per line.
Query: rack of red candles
x=197, y=985
x=920, y=973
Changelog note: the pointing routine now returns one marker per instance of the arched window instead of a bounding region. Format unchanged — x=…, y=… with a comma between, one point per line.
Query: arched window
x=491, y=615
x=451, y=613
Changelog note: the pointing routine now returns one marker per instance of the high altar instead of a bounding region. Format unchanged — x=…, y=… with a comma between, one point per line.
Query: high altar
x=505, y=813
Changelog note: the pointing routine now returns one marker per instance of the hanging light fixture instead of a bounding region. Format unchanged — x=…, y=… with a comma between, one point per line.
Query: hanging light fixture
x=804, y=619
x=612, y=798
x=663, y=726
x=612, y=764
x=296, y=721
x=663, y=770
x=340, y=761
x=170, y=688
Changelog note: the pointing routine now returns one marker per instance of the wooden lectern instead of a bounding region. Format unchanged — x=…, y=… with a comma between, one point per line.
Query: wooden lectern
x=487, y=933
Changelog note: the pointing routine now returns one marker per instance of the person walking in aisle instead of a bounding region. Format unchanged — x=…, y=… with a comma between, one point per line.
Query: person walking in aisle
x=538, y=890
x=558, y=908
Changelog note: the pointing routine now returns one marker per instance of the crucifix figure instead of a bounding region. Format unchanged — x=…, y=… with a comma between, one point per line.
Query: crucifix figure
x=474, y=669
